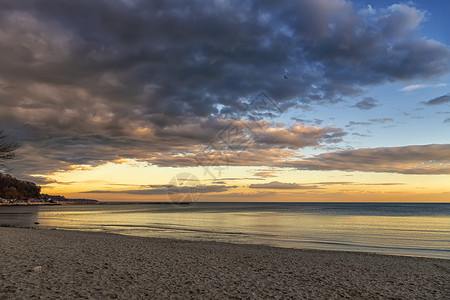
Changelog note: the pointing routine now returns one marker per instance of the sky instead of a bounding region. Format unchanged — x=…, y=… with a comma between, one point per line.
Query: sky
x=290, y=101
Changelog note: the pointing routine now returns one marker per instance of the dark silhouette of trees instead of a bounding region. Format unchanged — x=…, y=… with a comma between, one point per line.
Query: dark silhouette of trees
x=12, y=188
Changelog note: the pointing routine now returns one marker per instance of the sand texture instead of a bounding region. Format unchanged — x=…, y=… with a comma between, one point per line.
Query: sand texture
x=53, y=264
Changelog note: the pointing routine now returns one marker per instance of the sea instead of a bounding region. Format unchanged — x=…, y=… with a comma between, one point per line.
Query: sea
x=409, y=229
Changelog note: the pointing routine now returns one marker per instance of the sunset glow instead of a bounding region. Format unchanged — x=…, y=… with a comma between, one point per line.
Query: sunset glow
x=310, y=101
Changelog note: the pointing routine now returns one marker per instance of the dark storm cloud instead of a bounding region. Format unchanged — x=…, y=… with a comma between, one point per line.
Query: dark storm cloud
x=225, y=143
x=366, y=103
x=84, y=82
x=439, y=100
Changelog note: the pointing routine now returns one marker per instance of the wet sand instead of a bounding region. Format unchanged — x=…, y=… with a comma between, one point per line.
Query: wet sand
x=40, y=264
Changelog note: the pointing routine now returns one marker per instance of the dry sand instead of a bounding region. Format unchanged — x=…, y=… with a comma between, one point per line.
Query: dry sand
x=85, y=265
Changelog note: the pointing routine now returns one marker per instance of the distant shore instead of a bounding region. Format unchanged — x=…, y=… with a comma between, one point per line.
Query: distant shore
x=46, y=263
x=90, y=203
x=39, y=202
x=28, y=204
x=144, y=203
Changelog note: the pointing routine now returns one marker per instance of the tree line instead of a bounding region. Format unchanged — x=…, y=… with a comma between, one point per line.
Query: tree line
x=13, y=188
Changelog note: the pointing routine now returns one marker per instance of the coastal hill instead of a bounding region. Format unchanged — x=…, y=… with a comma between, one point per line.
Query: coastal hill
x=16, y=191
x=13, y=188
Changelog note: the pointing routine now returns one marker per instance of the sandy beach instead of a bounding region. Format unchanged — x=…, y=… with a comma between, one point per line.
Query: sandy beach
x=40, y=263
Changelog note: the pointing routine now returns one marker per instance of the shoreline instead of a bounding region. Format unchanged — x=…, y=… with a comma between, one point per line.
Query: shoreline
x=105, y=265
x=38, y=227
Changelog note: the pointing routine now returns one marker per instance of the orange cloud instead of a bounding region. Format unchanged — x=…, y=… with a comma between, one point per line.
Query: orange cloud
x=276, y=185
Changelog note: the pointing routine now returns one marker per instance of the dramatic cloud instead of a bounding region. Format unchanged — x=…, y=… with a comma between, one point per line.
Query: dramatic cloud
x=85, y=82
x=427, y=159
x=210, y=159
x=276, y=185
x=439, y=100
x=298, y=136
x=197, y=142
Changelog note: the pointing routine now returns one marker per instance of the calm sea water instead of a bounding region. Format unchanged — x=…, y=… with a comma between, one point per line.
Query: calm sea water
x=399, y=229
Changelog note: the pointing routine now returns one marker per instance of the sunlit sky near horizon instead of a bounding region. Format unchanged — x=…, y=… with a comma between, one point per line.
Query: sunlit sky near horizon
x=325, y=100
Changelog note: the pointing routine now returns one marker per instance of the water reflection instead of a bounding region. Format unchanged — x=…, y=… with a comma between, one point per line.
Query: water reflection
x=409, y=231
x=23, y=216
